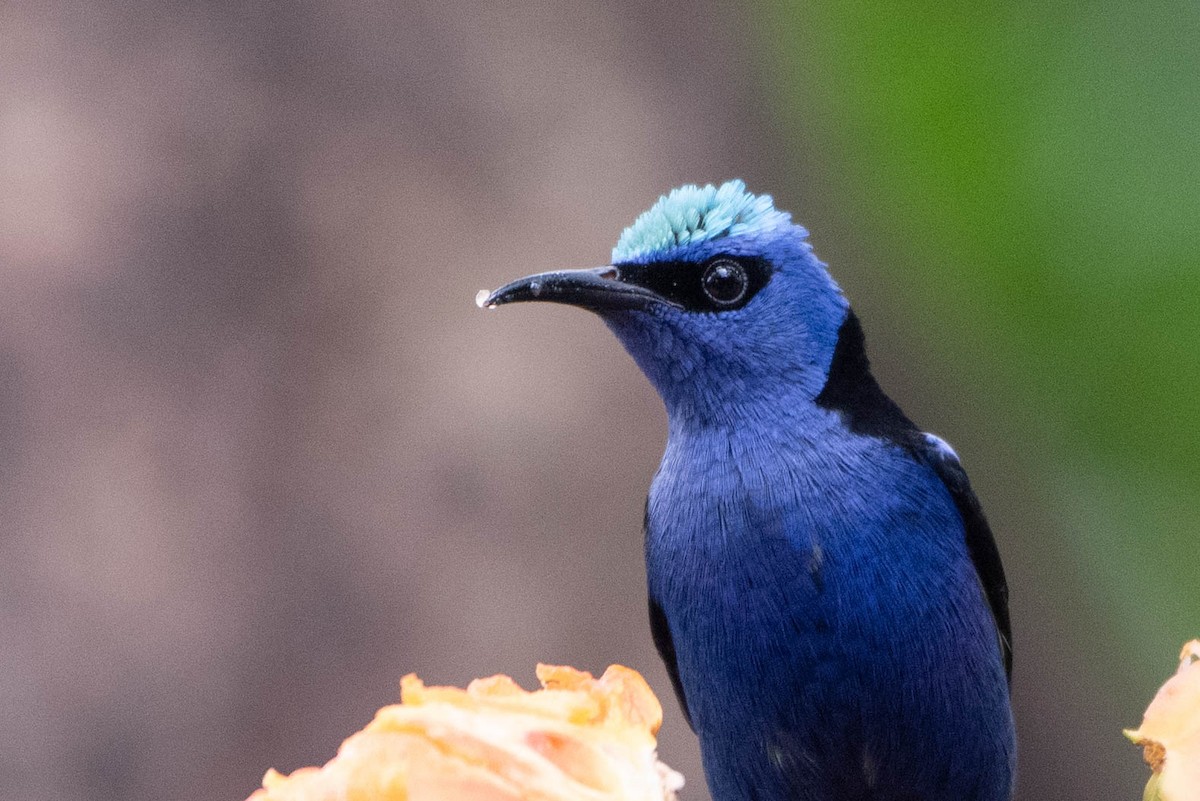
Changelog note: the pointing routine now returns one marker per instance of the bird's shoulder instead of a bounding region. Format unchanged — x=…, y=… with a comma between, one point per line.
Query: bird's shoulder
x=852, y=391
x=937, y=454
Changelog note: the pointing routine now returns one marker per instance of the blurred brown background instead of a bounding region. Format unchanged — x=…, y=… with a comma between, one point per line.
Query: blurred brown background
x=261, y=454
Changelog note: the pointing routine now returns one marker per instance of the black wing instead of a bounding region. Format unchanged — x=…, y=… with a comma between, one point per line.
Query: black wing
x=981, y=545
x=851, y=390
x=666, y=649
x=661, y=631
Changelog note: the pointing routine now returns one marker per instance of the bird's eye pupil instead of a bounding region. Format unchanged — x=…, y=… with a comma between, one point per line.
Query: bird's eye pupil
x=725, y=282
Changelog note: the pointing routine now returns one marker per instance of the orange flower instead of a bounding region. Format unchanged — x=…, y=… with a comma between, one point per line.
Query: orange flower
x=1170, y=733
x=578, y=739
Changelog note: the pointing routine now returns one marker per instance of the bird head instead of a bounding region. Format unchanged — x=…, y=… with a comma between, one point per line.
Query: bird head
x=718, y=297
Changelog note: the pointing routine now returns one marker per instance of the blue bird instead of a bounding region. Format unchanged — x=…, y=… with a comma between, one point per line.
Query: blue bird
x=824, y=588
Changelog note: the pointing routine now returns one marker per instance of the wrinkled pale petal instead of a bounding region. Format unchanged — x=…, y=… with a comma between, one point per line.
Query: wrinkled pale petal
x=1170, y=733
x=577, y=739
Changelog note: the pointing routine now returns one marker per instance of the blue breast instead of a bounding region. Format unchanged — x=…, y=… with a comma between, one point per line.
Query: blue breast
x=829, y=627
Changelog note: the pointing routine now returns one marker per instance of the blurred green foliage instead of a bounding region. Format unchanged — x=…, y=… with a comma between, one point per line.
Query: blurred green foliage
x=1032, y=173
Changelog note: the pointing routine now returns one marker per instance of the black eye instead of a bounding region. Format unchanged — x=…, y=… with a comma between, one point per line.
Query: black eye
x=725, y=282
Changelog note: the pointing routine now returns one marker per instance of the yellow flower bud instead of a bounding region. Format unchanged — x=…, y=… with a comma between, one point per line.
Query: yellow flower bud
x=1170, y=733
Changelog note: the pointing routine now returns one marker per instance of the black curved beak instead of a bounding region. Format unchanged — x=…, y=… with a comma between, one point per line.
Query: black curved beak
x=598, y=289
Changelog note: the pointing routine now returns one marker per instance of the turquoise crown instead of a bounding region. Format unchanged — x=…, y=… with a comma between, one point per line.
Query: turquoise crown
x=692, y=214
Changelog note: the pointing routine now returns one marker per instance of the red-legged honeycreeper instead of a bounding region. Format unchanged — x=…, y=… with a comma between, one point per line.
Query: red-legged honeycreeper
x=824, y=587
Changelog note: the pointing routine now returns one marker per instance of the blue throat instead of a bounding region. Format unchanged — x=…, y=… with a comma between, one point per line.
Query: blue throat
x=772, y=356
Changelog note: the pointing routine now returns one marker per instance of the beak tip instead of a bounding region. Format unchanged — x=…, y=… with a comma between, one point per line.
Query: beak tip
x=483, y=299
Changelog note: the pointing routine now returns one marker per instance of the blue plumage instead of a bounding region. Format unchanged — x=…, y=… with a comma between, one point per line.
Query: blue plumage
x=823, y=585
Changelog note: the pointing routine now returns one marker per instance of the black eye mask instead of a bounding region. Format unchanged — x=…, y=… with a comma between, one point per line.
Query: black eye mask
x=722, y=283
